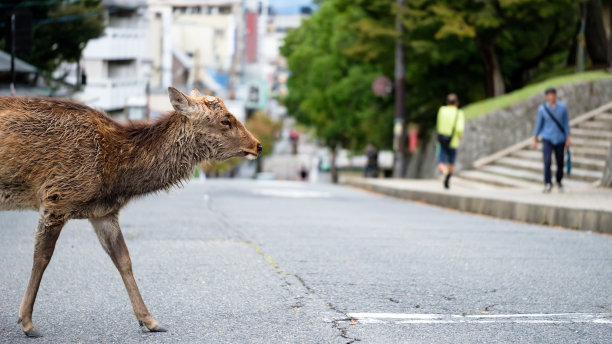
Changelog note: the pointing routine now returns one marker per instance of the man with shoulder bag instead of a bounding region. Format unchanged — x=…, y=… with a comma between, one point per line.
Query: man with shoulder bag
x=450, y=125
x=552, y=124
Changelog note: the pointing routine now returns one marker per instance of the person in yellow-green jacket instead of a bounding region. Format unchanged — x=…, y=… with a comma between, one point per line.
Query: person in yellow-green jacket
x=450, y=125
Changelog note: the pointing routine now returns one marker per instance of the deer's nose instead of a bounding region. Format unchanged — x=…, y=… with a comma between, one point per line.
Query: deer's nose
x=259, y=148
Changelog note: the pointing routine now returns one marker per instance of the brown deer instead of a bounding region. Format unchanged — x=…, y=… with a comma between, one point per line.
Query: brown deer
x=68, y=161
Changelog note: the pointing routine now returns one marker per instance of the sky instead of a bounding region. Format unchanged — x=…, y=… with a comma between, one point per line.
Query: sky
x=289, y=6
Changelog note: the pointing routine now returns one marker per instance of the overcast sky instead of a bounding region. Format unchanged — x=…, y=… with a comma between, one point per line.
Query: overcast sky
x=289, y=6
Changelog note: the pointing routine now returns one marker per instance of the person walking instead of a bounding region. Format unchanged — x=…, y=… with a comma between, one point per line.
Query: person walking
x=371, y=168
x=552, y=124
x=450, y=125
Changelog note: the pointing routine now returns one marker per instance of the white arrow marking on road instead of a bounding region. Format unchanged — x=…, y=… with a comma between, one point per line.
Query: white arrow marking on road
x=538, y=318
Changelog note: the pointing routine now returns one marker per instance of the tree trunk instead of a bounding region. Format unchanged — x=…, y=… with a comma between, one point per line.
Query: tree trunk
x=333, y=168
x=595, y=33
x=571, y=56
x=494, y=81
x=610, y=38
x=259, y=165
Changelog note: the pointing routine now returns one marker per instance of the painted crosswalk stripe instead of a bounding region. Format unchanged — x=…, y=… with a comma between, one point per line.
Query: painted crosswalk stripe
x=534, y=318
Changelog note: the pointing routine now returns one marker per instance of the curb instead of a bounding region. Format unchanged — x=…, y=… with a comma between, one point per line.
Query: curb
x=573, y=218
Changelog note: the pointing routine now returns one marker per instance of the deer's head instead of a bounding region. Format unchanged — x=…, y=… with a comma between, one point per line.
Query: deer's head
x=211, y=120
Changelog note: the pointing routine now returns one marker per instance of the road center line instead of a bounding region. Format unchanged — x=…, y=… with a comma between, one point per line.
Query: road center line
x=535, y=318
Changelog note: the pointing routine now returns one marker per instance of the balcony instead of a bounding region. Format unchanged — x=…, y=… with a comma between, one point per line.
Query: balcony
x=112, y=94
x=117, y=44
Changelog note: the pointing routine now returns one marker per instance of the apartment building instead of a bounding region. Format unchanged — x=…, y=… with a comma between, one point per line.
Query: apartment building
x=115, y=64
x=194, y=43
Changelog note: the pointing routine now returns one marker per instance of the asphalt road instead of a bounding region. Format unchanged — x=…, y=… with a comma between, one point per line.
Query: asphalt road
x=281, y=262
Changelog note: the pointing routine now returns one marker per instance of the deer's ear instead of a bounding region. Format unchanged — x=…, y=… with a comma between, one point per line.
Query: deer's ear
x=195, y=93
x=181, y=102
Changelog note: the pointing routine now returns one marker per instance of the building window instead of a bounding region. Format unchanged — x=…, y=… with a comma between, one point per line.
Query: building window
x=180, y=9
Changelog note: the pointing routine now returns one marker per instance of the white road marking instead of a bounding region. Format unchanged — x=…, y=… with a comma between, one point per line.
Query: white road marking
x=292, y=193
x=537, y=318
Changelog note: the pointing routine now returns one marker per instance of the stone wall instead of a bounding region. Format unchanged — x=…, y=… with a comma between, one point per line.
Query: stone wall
x=502, y=128
x=421, y=164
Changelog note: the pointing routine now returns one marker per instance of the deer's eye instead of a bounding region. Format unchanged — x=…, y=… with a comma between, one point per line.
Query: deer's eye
x=226, y=122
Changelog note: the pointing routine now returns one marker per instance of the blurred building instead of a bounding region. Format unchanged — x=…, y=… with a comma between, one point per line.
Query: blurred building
x=114, y=66
x=228, y=48
x=194, y=43
x=275, y=66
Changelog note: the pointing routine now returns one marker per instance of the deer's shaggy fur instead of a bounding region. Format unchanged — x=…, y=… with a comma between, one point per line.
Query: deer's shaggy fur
x=69, y=161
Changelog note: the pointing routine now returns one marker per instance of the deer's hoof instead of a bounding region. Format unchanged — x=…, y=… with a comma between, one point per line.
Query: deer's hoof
x=158, y=328
x=33, y=333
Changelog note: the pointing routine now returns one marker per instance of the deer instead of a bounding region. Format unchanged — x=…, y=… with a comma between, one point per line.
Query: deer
x=69, y=161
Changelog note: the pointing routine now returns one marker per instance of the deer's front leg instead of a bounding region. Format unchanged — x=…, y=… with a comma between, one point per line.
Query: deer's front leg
x=108, y=231
x=45, y=237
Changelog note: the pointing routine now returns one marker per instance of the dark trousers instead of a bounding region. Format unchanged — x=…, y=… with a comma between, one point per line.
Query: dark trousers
x=547, y=149
x=371, y=171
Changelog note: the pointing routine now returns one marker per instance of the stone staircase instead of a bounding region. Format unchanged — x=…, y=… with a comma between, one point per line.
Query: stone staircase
x=520, y=166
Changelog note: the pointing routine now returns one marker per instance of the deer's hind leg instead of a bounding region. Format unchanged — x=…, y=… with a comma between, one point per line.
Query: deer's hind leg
x=108, y=231
x=49, y=228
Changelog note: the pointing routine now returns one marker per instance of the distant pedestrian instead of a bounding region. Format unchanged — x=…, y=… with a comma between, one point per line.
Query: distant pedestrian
x=552, y=124
x=294, y=136
x=303, y=173
x=371, y=168
x=450, y=125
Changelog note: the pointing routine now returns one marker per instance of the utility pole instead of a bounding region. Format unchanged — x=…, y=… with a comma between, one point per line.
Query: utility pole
x=13, y=52
x=19, y=38
x=399, y=126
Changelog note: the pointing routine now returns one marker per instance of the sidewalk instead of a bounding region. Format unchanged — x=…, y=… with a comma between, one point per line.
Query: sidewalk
x=583, y=209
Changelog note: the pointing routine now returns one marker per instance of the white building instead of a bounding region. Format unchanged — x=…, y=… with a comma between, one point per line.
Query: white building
x=115, y=64
x=225, y=47
x=192, y=40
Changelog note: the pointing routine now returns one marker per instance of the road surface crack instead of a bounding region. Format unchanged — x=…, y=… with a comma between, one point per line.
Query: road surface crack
x=341, y=324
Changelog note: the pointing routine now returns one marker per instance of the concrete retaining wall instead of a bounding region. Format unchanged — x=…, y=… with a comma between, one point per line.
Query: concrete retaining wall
x=421, y=164
x=502, y=128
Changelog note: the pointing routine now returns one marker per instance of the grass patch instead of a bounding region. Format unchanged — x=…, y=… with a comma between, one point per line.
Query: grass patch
x=485, y=106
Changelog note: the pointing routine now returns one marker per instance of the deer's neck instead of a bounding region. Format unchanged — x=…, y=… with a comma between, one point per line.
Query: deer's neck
x=160, y=155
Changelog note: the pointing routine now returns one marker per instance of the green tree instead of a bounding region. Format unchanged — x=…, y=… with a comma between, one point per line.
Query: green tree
x=434, y=66
x=595, y=33
x=329, y=90
x=514, y=37
x=61, y=29
x=266, y=130
x=473, y=48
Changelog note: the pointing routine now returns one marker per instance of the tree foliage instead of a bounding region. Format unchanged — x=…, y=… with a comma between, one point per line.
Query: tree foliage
x=329, y=89
x=514, y=38
x=265, y=129
x=60, y=30
x=476, y=49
